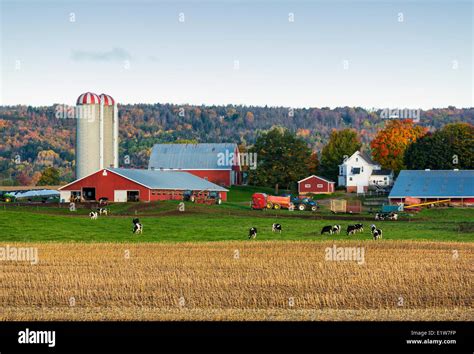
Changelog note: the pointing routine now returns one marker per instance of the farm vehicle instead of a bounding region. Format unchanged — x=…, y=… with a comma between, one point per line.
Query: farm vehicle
x=262, y=201
x=6, y=197
x=202, y=197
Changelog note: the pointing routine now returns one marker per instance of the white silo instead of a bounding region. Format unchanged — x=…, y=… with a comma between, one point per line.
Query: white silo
x=109, y=131
x=88, y=134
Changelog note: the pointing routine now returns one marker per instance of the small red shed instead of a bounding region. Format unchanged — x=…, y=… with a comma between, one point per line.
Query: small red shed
x=315, y=185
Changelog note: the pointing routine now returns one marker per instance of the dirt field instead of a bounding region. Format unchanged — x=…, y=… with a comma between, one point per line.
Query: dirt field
x=388, y=280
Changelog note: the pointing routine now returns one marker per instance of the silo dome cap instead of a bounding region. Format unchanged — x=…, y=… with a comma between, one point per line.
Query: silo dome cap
x=88, y=98
x=107, y=100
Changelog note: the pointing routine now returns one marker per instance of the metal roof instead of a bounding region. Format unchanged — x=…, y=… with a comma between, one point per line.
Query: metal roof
x=167, y=180
x=190, y=156
x=381, y=172
x=434, y=184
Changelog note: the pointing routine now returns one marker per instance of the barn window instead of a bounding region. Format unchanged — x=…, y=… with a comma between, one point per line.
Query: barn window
x=307, y=185
x=319, y=185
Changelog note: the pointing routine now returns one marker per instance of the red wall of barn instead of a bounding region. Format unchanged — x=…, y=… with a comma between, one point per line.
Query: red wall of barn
x=219, y=177
x=106, y=185
x=313, y=188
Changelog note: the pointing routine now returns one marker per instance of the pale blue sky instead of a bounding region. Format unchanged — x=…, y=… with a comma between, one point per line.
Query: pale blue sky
x=139, y=51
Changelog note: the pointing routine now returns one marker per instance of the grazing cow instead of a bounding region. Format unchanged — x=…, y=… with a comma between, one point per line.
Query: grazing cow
x=393, y=216
x=252, y=232
x=351, y=229
x=376, y=233
x=326, y=229
x=93, y=215
x=359, y=227
x=336, y=229
x=137, y=227
x=103, y=211
x=276, y=227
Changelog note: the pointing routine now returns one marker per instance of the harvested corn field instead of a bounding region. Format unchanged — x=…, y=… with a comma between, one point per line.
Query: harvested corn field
x=271, y=280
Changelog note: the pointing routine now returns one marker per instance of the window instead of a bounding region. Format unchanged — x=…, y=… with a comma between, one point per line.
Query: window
x=350, y=178
x=319, y=185
x=357, y=159
x=307, y=185
x=362, y=168
x=385, y=178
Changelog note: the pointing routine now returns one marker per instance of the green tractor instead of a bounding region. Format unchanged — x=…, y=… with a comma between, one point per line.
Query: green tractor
x=6, y=197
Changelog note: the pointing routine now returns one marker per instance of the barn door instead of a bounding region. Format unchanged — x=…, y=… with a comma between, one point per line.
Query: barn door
x=120, y=196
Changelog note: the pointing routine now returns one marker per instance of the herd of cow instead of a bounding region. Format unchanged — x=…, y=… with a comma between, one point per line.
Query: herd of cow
x=330, y=229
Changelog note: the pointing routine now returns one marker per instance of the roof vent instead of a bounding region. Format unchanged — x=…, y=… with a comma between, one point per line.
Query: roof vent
x=456, y=169
x=427, y=169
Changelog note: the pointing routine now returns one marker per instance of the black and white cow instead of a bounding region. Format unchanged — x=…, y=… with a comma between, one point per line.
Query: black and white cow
x=336, y=229
x=276, y=227
x=376, y=233
x=93, y=215
x=327, y=229
x=351, y=229
x=137, y=227
x=252, y=232
x=102, y=211
x=359, y=227
x=393, y=216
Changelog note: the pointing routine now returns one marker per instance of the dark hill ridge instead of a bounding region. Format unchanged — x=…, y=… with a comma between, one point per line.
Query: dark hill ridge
x=33, y=137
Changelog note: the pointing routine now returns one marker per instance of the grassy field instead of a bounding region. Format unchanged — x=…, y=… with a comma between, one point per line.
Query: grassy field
x=230, y=221
x=239, y=280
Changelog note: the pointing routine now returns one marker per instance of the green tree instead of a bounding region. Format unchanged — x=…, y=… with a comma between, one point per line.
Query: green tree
x=49, y=177
x=447, y=148
x=341, y=143
x=282, y=158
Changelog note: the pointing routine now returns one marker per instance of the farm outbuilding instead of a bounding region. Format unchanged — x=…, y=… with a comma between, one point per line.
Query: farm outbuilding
x=218, y=163
x=434, y=185
x=125, y=185
x=315, y=185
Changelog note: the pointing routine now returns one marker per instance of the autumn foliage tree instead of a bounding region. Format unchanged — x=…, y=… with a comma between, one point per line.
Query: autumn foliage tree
x=390, y=143
x=49, y=177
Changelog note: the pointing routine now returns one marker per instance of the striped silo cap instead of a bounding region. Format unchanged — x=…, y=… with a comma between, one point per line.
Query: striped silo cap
x=88, y=98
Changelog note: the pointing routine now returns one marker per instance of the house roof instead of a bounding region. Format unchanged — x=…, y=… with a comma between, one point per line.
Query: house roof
x=382, y=172
x=190, y=156
x=367, y=158
x=324, y=179
x=156, y=179
x=434, y=184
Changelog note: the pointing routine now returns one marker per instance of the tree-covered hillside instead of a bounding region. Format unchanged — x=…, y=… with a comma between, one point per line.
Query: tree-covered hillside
x=33, y=138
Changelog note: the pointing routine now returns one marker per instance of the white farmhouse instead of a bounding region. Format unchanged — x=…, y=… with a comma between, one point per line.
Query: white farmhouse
x=359, y=172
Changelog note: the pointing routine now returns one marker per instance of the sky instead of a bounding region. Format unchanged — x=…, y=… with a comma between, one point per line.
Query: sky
x=373, y=54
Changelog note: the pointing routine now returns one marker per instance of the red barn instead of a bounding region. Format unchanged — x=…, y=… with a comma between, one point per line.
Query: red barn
x=126, y=185
x=315, y=185
x=217, y=163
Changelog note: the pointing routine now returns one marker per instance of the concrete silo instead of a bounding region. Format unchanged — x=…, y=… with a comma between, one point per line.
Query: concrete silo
x=110, y=131
x=96, y=134
x=88, y=134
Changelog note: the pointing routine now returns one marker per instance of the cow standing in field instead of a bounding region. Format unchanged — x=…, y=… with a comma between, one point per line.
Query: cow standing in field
x=137, y=227
x=327, y=229
x=351, y=229
x=103, y=211
x=276, y=227
x=376, y=233
x=359, y=227
x=336, y=229
x=252, y=232
x=93, y=215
